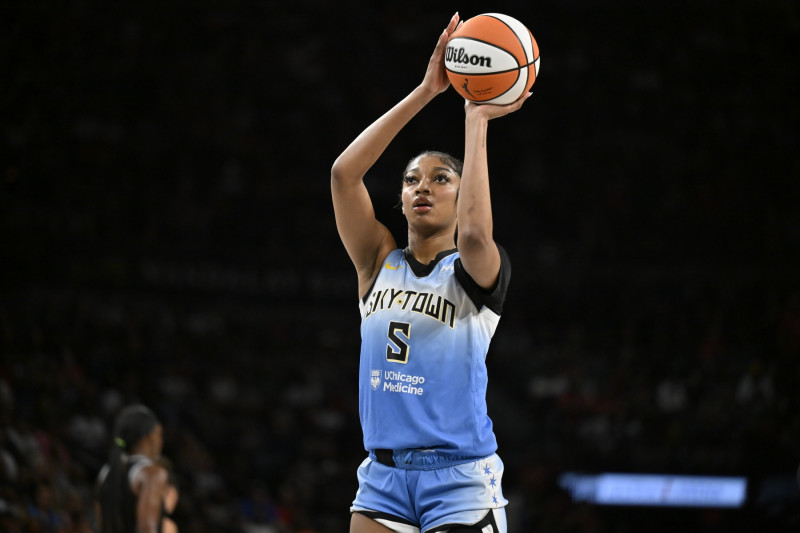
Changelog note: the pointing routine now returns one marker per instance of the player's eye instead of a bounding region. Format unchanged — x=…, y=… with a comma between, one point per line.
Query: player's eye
x=409, y=179
x=442, y=178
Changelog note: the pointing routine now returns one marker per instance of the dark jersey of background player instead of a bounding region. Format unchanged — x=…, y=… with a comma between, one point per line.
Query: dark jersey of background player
x=132, y=486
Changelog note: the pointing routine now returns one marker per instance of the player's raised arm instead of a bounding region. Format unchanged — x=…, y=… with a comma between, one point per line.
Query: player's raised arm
x=366, y=240
x=476, y=244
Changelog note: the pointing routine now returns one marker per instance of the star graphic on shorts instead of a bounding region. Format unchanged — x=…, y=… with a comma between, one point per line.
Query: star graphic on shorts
x=486, y=470
x=493, y=481
x=494, y=499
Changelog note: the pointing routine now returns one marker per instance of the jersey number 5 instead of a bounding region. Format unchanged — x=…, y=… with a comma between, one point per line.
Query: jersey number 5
x=397, y=348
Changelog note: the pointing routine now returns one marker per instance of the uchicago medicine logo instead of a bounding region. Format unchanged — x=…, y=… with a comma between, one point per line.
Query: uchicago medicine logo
x=396, y=382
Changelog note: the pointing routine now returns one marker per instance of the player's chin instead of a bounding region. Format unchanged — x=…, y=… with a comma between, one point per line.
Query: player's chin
x=427, y=224
x=421, y=221
x=425, y=217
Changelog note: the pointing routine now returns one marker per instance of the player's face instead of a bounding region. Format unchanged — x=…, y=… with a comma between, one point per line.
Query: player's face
x=430, y=190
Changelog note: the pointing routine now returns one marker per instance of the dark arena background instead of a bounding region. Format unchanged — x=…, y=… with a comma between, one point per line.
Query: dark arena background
x=167, y=237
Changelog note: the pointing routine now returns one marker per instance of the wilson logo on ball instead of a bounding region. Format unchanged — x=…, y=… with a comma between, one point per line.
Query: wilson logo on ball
x=461, y=56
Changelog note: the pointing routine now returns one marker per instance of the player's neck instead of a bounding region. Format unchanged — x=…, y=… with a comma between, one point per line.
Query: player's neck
x=425, y=249
x=144, y=450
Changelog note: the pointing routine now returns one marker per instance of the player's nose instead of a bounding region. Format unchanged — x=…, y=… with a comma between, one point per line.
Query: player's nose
x=424, y=185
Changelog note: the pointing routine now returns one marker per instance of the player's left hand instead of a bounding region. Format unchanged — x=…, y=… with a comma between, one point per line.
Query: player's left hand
x=491, y=111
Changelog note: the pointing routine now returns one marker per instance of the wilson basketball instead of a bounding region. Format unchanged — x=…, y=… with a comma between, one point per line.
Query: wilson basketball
x=492, y=59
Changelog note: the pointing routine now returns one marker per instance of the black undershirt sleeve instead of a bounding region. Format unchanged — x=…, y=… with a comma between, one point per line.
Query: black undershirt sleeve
x=493, y=298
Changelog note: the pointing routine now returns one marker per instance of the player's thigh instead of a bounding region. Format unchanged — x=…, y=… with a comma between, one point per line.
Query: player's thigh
x=493, y=522
x=362, y=524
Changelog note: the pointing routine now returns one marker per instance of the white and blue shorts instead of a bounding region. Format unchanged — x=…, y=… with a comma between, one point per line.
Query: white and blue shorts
x=426, y=491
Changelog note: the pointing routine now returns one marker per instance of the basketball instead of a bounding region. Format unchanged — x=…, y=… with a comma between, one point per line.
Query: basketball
x=492, y=59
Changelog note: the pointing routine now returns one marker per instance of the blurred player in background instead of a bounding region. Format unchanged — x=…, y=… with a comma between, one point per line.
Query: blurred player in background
x=133, y=485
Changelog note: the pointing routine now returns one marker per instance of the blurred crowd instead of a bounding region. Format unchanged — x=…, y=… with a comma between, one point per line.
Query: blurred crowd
x=168, y=239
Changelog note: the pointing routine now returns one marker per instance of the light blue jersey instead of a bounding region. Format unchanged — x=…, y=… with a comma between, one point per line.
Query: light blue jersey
x=425, y=332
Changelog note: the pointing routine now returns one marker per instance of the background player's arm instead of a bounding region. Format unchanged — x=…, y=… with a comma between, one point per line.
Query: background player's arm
x=98, y=516
x=150, y=487
x=476, y=244
x=366, y=240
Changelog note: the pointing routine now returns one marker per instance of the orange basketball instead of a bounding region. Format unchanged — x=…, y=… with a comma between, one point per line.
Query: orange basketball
x=492, y=59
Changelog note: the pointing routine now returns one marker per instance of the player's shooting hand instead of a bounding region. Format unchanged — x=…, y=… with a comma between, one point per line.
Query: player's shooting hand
x=436, y=79
x=490, y=111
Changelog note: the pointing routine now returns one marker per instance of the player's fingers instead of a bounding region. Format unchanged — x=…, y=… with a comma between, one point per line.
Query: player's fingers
x=438, y=51
x=445, y=35
x=514, y=106
x=525, y=98
x=522, y=100
x=494, y=111
x=455, y=22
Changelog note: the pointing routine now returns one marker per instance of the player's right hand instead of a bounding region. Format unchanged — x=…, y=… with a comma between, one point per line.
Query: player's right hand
x=436, y=79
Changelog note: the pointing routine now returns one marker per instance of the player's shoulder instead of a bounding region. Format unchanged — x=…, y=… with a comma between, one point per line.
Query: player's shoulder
x=150, y=475
x=492, y=298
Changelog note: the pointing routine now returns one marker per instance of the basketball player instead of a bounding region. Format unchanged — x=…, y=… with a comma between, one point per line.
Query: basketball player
x=428, y=314
x=133, y=486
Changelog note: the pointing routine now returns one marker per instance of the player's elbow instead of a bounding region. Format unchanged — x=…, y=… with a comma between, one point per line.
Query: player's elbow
x=337, y=172
x=342, y=172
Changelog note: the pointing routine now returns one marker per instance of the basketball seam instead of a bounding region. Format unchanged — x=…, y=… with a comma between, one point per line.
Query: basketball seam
x=495, y=97
x=504, y=23
x=518, y=67
x=519, y=72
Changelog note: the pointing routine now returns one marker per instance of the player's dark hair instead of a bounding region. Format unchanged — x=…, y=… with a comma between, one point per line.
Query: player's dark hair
x=132, y=424
x=453, y=162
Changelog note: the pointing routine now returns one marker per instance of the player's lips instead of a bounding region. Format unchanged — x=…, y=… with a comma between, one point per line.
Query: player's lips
x=421, y=206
